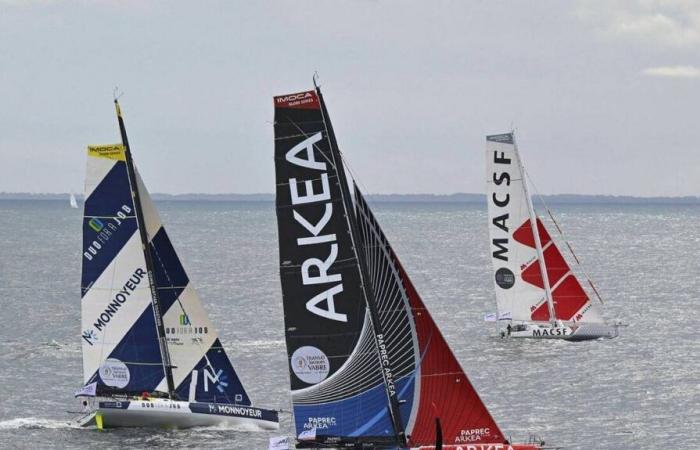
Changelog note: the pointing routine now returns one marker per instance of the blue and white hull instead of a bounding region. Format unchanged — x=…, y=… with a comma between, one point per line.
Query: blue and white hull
x=163, y=413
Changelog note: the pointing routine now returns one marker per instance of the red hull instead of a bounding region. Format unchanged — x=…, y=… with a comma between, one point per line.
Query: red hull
x=486, y=447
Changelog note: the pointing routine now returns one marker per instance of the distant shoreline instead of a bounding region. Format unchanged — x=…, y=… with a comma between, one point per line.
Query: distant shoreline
x=393, y=198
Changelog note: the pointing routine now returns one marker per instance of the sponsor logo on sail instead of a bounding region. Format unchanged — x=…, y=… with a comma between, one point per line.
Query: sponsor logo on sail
x=472, y=435
x=184, y=328
x=314, y=270
x=104, y=231
x=504, y=277
x=96, y=224
x=302, y=99
x=294, y=97
x=114, y=373
x=386, y=366
x=320, y=423
x=113, y=307
x=218, y=379
x=310, y=364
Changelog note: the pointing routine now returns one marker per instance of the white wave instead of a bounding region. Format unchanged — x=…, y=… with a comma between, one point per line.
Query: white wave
x=34, y=423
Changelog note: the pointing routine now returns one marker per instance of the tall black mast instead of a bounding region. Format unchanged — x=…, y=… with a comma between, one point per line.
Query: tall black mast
x=360, y=251
x=157, y=313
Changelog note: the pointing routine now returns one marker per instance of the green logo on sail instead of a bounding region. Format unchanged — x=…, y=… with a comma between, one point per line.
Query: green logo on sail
x=184, y=320
x=96, y=224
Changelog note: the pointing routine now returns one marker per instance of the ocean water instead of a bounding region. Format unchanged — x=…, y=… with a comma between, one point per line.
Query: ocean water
x=640, y=391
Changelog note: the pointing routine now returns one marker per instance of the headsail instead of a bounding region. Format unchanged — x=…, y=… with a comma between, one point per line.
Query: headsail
x=120, y=338
x=442, y=389
x=201, y=369
x=520, y=288
x=344, y=376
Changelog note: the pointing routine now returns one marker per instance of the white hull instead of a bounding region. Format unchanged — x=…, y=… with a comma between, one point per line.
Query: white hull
x=578, y=332
x=161, y=413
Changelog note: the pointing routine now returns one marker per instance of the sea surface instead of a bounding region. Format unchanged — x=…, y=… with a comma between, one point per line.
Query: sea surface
x=640, y=391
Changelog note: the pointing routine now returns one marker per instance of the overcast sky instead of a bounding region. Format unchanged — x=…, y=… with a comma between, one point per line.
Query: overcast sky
x=604, y=95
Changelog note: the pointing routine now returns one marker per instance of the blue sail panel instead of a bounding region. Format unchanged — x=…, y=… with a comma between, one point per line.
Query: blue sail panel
x=139, y=352
x=363, y=415
x=215, y=380
x=108, y=223
x=169, y=275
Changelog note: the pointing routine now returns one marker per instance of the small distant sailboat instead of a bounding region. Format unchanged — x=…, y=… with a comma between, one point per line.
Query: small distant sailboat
x=73, y=201
x=151, y=357
x=537, y=294
x=368, y=366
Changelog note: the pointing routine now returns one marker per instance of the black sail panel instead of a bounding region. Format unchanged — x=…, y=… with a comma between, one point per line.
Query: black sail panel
x=318, y=268
x=338, y=392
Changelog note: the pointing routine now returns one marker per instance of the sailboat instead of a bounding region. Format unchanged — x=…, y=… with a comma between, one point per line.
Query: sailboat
x=151, y=356
x=73, y=201
x=537, y=294
x=368, y=365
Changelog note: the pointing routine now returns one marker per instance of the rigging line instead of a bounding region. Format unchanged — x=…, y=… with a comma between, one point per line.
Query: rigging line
x=561, y=233
x=353, y=177
x=197, y=342
x=306, y=135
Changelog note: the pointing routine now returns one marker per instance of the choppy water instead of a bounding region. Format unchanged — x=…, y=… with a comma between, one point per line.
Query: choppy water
x=640, y=391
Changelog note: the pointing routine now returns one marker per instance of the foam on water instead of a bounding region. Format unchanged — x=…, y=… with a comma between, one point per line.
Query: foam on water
x=35, y=423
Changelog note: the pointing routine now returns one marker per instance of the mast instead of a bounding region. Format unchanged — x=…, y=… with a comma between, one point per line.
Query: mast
x=157, y=313
x=364, y=272
x=536, y=235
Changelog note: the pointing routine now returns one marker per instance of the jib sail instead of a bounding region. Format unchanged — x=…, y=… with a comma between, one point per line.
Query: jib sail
x=441, y=389
x=520, y=287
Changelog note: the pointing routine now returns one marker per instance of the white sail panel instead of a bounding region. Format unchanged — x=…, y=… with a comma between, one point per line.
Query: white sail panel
x=507, y=212
x=112, y=305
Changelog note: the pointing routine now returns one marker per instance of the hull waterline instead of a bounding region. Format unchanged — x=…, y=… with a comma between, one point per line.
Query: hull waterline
x=585, y=332
x=485, y=447
x=175, y=414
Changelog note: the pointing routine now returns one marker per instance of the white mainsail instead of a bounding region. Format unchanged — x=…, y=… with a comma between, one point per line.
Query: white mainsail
x=120, y=338
x=521, y=290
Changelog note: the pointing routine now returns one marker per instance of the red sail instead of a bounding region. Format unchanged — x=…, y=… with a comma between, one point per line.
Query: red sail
x=445, y=390
x=567, y=294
